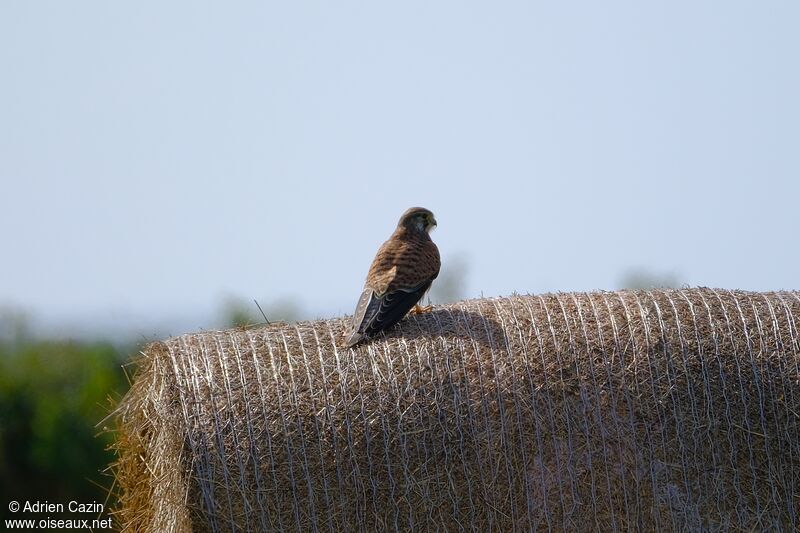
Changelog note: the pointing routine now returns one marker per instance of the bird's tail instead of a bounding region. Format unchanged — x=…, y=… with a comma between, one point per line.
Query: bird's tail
x=354, y=338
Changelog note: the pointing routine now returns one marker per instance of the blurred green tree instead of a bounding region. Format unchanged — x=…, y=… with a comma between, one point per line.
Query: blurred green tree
x=52, y=396
x=449, y=285
x=237, y=312
x=642, y=278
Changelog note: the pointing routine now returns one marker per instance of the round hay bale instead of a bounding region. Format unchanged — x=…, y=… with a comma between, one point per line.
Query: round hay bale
x=645, y=410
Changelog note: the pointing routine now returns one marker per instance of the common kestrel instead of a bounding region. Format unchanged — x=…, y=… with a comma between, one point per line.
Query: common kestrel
x=401, y=273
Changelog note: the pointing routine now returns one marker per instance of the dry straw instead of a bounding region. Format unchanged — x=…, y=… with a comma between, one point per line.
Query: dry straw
x=650, y=410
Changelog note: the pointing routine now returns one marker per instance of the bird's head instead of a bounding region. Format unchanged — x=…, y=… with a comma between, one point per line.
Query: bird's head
x=417, y=219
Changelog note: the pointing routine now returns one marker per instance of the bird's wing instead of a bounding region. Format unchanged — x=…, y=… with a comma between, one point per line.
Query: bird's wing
x=376, y=312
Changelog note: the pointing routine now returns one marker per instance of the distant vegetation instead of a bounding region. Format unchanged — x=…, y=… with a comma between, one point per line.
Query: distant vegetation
x=449, y=286
x=52, y=396
x=237, y=312
x=641, y=278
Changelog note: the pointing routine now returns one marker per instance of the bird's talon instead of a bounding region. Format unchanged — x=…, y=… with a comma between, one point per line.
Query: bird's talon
x=418, y=309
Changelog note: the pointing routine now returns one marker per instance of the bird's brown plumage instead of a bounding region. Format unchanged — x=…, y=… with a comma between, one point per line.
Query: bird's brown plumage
x=402, y=271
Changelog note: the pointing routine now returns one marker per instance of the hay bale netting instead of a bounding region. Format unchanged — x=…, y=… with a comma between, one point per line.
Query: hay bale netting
x=649, y=410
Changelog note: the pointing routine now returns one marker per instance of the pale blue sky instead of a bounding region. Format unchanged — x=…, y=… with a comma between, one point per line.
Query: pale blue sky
x=158, y=157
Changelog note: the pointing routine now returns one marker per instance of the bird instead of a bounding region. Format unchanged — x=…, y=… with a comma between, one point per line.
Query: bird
x=399, y=276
